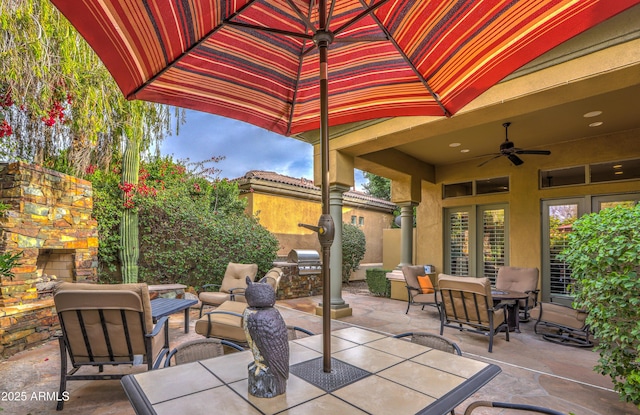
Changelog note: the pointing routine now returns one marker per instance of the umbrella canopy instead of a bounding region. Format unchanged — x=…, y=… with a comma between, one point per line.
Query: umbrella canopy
x=256, y=60
x=292, y=66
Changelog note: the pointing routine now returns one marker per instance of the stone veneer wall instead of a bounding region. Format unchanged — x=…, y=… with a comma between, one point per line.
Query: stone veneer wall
x=49, y=210
x=293, y=285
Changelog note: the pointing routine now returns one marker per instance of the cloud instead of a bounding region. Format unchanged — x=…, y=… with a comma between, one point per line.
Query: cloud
x=244, y=146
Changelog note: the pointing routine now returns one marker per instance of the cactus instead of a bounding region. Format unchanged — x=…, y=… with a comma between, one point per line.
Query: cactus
x=130, y=252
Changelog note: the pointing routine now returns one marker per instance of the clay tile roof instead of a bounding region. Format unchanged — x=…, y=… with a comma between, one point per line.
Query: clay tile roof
x=307, y=184
x=279, y=178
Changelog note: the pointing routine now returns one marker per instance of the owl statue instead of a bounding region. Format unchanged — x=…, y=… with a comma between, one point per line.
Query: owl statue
x=266, y=334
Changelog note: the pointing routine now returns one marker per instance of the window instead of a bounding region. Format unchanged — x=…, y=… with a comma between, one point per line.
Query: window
x=354, y=219
x=458, y=189
x=482, y=187
x=361, y=221
x=614, y=170
x=496, y=185
x=458, y=228
x=593, y=173
x=477, y=240
x=562, y=177
x=493, y=242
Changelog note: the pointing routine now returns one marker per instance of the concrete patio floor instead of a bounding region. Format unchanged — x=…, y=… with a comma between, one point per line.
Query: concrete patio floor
x=534, y=371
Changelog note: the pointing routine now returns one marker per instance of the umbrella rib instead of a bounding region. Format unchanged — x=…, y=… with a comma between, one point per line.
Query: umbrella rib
x=301, y=15
x=270, y=30
x=361, y=39
x=303, y=52
x=367, y=11
x=333, y=3
x=411, y=65
x=173, y=63
x=295, y=94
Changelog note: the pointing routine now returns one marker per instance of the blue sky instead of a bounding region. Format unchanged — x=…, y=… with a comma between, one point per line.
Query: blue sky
x=244, y=146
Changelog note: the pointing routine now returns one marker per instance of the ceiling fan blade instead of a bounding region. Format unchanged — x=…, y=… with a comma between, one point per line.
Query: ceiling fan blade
x=488, y=160
x=539, y=152
x=515, y=159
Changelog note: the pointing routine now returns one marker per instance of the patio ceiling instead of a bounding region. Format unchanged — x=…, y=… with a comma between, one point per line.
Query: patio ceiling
x=545, y=101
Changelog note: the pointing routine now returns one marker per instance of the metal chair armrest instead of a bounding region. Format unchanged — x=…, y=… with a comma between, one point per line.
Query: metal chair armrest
x=160, y=324
x=232, y=345
x=210, y=285
x=222, y=312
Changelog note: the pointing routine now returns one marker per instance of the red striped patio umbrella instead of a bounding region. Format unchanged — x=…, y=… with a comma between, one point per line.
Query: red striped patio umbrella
x=291, y=66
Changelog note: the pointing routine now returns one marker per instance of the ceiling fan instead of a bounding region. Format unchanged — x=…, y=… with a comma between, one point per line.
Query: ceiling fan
x=508, y=150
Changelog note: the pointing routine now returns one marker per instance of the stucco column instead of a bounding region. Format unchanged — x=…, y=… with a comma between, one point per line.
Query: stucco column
x=406, y=234
x=335, y=207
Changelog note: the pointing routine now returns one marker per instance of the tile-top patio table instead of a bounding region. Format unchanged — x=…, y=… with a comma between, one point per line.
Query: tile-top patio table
x=161, y=307
x=371, y=373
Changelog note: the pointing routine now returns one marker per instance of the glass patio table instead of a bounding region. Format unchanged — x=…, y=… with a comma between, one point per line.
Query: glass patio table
x=371, y=373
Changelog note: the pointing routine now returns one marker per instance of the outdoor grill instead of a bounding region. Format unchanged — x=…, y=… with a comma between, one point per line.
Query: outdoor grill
x=308, y=261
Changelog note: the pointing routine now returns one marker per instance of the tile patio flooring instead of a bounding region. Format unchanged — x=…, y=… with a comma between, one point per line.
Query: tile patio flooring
x=534, y=371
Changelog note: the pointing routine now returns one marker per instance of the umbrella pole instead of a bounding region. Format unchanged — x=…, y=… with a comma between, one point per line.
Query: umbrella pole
x=322, y=39
x=326, y=228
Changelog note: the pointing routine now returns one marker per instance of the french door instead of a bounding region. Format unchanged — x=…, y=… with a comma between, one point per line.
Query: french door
x=557, y=219
x=476, y=240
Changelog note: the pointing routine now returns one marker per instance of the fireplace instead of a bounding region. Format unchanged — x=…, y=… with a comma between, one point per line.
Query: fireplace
x=50, y=223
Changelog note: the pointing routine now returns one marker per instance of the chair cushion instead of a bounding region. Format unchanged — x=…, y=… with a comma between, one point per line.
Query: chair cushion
x=411, y=273
x=224, y=326
x=518, y=279
x=464, y=290
x=425, y=298
x=425, y=284
x=560, y=315
x=213, y=298
x=140, y=289
x=236, y=274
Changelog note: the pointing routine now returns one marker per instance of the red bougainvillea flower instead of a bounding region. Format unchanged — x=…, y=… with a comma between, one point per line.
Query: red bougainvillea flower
x=5, y=129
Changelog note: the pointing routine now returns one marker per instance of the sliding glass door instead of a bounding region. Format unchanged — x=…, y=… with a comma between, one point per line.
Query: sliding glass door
x=558, y=217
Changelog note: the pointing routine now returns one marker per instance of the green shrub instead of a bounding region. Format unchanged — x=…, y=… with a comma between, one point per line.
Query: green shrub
x=604, y=255
x=189, y=227
x=378, y=282
x=353, y=248
x=179, y=244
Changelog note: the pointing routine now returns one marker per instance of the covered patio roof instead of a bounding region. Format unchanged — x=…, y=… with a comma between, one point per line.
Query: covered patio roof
x=545, y=101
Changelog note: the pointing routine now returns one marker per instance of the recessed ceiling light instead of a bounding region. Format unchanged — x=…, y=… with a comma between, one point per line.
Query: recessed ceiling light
x=592, y=114
x=596, y=124
x=619, y=172
x=617, y=166
x=454, y=145
x=464, y=150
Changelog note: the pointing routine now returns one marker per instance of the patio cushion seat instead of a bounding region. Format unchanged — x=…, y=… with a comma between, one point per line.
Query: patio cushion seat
x=415, y=295
x=232, y=287
x=561, y=315
x=569, y=323
x=106, y=324
x=225, y=322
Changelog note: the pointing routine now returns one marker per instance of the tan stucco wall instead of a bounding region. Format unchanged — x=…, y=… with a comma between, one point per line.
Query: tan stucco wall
x=525, y=196
x=392, y=248
x=281, y=215
x=374, y=224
